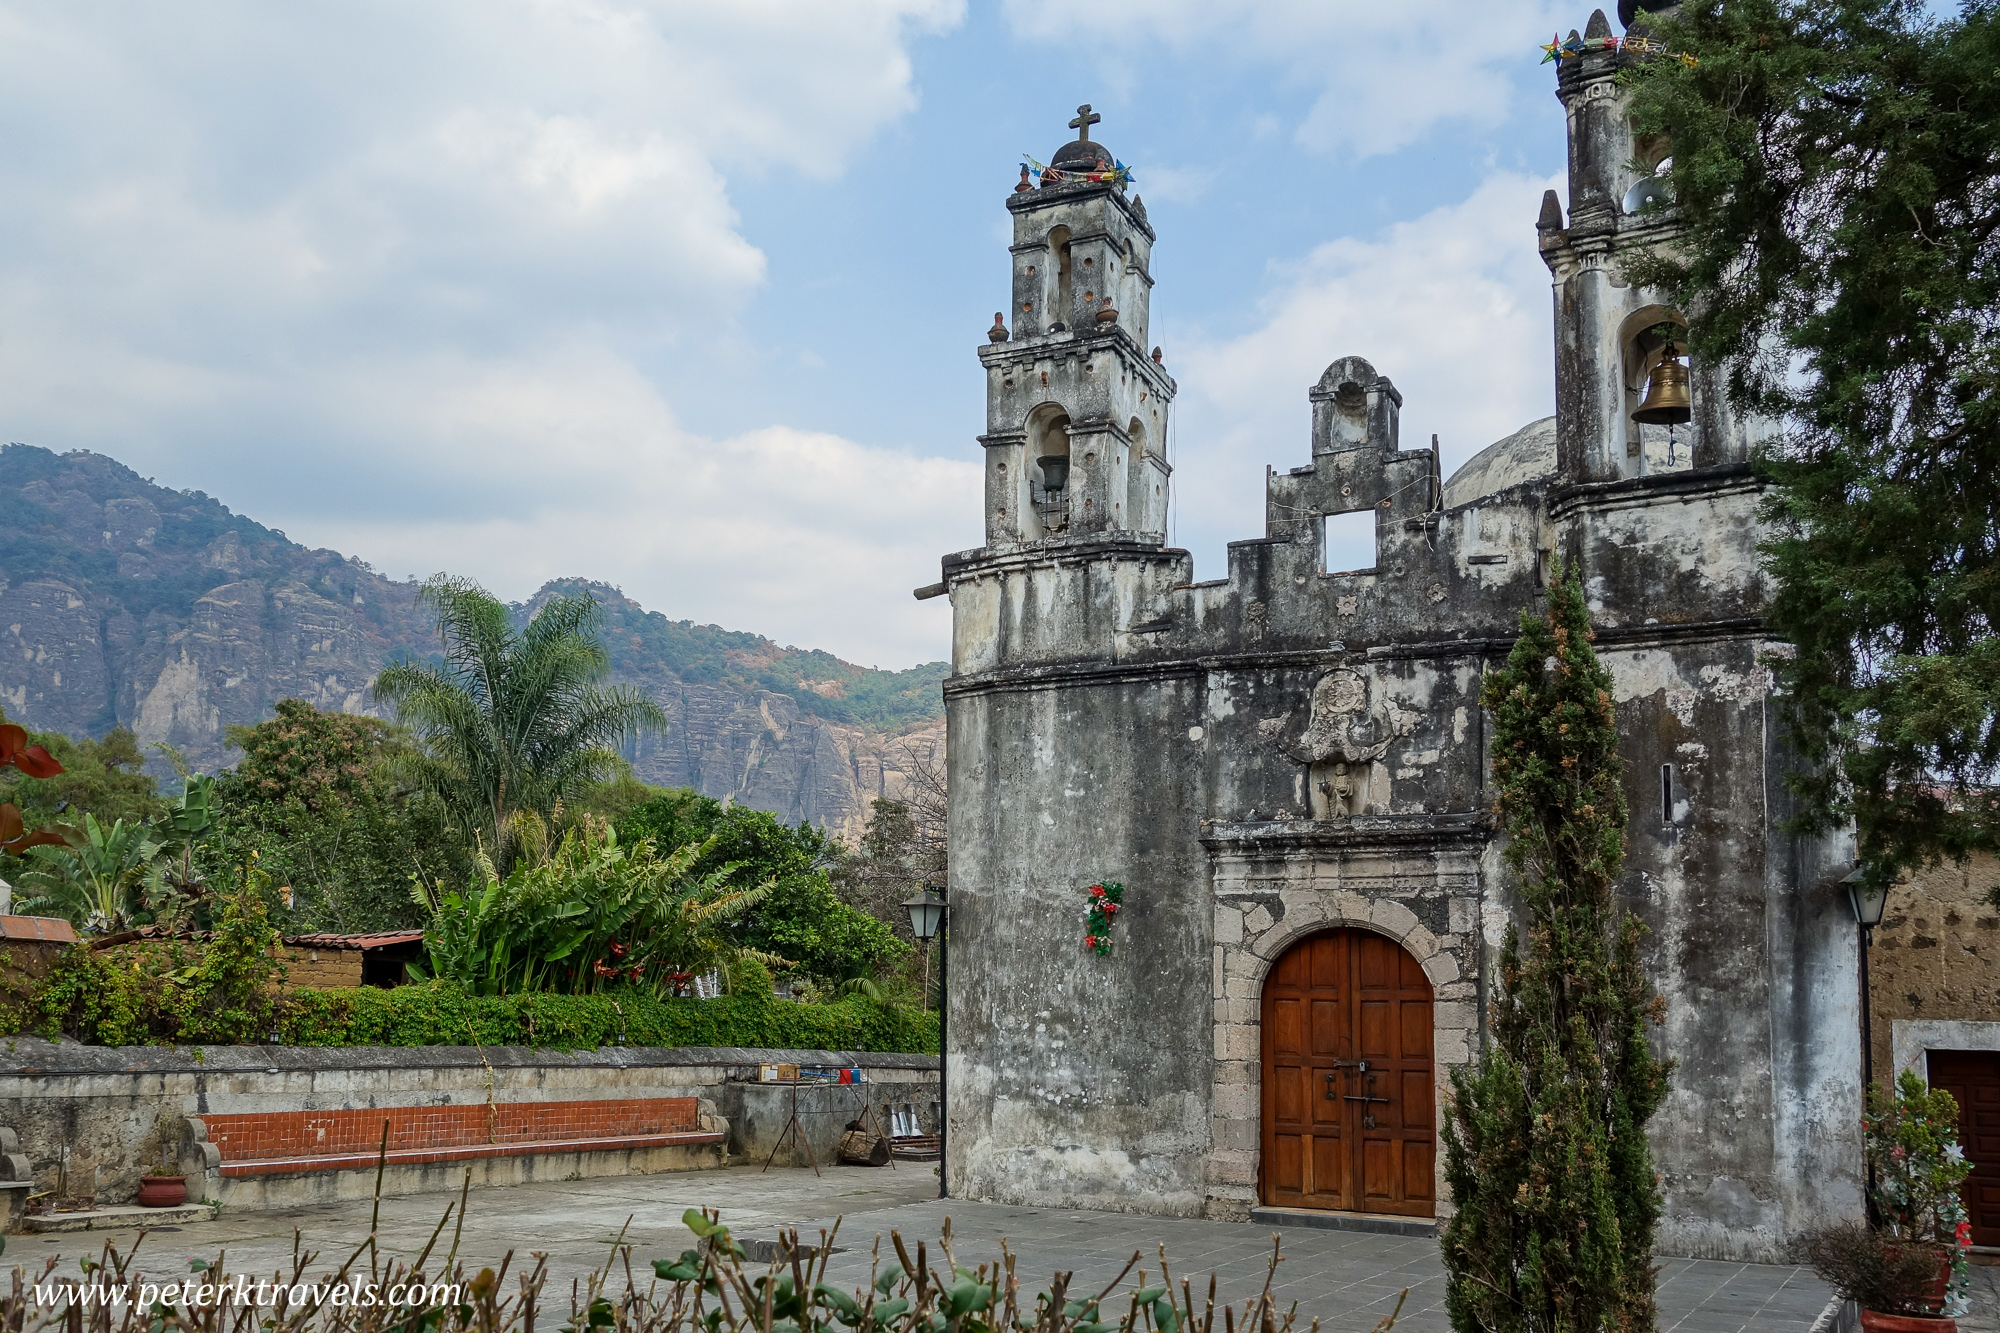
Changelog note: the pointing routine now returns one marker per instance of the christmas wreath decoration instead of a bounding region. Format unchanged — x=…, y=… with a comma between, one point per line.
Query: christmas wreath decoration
x=1105, y=897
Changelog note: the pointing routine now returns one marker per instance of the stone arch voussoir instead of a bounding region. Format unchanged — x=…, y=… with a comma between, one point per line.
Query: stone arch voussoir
x=1299, y=923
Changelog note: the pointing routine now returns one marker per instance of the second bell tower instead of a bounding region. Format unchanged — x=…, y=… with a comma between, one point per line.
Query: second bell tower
x=1076, y=408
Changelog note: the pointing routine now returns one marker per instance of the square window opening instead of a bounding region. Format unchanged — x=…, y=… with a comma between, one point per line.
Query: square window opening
x=1347, y=542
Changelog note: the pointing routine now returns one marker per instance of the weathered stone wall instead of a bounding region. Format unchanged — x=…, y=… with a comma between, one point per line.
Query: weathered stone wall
x=1934, y=968
x=121, y=1110
x=1077, y=1080
x=1291, y=748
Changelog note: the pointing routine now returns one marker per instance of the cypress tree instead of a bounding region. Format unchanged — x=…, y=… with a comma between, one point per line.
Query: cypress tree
x=1545, y=1144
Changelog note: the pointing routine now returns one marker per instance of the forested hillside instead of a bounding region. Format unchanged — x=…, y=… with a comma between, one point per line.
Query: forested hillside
x=125, y=603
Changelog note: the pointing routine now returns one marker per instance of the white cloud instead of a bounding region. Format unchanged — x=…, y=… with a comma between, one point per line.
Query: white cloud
x=388, y=276
x=1454, y=307
x=1381, y=75
x=810, y=537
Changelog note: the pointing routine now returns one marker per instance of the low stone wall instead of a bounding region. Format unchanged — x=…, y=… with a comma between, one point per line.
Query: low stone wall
x=120, y=1110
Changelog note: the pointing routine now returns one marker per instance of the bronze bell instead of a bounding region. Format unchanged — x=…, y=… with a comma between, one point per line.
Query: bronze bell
x=1667, y=402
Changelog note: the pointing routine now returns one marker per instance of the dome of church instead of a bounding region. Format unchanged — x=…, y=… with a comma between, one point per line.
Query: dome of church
x=1081, y=155
x=1628, y=10
x=1528, y=455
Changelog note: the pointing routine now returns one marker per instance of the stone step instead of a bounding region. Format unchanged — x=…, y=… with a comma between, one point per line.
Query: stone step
x=111, y=1219
x=1380, y=1223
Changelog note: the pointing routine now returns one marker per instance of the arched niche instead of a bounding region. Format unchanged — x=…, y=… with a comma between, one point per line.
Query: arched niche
x=1047, y=437
x=1061, y=277
x=1653, y=158
x=1642, y=341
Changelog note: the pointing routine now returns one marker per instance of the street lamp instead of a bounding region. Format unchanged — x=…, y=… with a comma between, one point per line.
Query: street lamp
x=927, y=921
x=1868, y=899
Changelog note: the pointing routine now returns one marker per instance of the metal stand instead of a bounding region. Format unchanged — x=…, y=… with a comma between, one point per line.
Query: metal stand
x=868, y=1109
x=1874, y=1214
x=944, y=1053
x=792, y=1126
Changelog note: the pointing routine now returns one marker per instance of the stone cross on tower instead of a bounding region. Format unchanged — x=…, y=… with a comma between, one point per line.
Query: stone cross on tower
x=1085, y=118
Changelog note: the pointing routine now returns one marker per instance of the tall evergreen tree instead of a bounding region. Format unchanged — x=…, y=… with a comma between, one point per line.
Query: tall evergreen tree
x=1545, y=1144
x=1836, y=195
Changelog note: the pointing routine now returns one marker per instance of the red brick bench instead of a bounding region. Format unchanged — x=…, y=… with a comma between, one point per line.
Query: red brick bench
x=274, y=1143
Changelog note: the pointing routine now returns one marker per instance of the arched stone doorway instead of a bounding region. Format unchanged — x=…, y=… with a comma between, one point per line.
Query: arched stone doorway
x=1349, y=1096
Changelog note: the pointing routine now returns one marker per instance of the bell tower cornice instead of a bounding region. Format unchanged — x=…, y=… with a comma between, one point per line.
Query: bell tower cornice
x=1092, y=344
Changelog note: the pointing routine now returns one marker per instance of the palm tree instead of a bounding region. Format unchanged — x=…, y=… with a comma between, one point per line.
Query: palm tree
x=514, y=720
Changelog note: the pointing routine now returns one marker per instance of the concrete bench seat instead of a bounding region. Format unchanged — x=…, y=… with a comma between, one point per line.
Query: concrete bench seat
x=282, y=1157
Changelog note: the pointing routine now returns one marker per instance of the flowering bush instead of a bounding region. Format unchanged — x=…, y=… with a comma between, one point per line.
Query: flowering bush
x=1912, y=1144
x=1105, y=898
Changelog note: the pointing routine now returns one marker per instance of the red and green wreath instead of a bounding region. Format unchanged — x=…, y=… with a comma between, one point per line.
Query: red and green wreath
x=1104, y=900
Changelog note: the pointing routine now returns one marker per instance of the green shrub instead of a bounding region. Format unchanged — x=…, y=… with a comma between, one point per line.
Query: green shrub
x=224, y=990
x=157, y=994
x=444, y=1015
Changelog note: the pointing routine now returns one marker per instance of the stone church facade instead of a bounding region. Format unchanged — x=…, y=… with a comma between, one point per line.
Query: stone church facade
x=1287, y=767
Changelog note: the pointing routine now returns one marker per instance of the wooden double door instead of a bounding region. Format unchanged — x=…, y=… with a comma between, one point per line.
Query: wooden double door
x=1350, y=1115
x=1973, y=1080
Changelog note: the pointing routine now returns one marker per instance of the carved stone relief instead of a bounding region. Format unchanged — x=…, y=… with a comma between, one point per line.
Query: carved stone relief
x=1349, y=732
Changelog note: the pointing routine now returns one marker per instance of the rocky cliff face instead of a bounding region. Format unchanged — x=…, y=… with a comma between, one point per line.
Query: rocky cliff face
x=122, y=602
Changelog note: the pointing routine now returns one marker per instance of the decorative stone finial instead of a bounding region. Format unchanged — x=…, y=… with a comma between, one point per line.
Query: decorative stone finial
x=1024, y=180
x=1599, y=26
x=1552, y=213
x=1107, y=314
x=1156, y=357
x=998, y=333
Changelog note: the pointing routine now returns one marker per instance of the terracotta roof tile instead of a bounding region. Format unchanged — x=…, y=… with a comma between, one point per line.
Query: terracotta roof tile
x=51, y=928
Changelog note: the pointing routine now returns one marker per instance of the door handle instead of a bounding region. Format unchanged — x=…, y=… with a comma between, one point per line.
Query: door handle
x=1352, y=1098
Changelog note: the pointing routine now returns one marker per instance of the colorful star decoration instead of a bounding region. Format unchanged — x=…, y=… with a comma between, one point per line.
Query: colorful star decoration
x=1574, y=46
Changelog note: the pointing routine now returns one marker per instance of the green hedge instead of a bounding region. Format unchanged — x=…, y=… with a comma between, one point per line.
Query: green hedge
x=439, y=1014
x=179, y=994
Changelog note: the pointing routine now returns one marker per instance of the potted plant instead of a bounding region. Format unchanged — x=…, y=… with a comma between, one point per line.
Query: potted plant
x=1916, y=1168
x=159, y=1189
x=1895, y=1284
x=1908, y=1272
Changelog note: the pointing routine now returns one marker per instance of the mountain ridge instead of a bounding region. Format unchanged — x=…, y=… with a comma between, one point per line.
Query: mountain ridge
x=123, y=602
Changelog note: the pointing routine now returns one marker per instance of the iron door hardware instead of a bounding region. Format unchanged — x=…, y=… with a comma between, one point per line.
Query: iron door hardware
x=1337, y=1066
x=1367, y=1112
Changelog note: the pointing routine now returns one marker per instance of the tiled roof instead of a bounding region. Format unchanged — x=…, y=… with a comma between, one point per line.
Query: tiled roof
x=51, y=928
x=330, y=940
x=319, y=940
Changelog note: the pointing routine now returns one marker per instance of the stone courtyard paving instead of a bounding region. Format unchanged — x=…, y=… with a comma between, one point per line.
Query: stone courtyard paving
x=1348, y=1280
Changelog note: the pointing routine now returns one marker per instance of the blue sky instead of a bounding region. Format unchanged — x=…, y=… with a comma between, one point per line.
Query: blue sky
x=686, y=297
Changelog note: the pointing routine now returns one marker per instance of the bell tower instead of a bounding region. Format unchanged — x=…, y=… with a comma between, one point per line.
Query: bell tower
x=1615, y=339
x=1076, y=407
